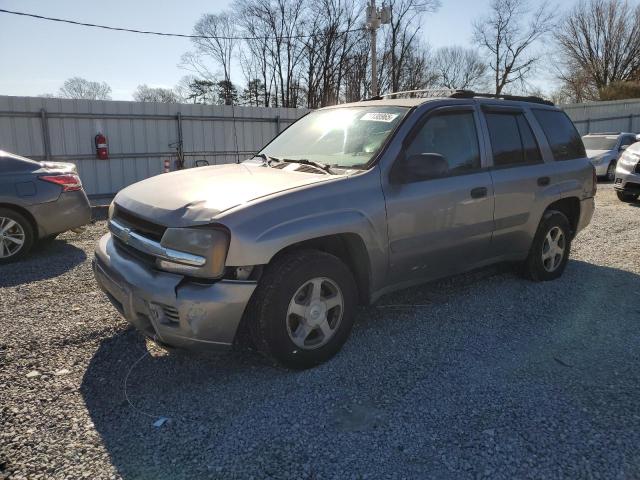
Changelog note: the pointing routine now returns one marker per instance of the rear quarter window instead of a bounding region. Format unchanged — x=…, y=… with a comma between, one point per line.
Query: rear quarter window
x=563, y=138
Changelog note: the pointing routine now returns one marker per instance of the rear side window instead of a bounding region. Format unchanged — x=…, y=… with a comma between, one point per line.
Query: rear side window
x=563, y=138
x=512, y=140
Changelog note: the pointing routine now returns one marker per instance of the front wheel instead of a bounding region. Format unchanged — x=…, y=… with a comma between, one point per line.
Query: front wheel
x=303, y=310
x=611, y=171
x=550, y=249
x=627, y=197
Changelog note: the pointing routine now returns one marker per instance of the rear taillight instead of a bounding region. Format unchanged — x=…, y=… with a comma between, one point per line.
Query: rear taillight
x=69, y=183
x=595, y=180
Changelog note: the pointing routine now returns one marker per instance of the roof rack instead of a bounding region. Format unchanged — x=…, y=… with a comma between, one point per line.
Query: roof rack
x=518, y=98
x=451, y=93
x=424, y=93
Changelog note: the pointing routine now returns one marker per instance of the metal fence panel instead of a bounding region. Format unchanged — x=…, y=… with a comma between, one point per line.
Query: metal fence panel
x=139, y=134
x=615, y=116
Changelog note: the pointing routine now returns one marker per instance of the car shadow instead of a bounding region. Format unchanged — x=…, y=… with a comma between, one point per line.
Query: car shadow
x=46, y=260
x=447, y=334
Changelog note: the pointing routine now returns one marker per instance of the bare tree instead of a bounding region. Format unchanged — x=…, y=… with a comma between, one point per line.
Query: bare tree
x=144, y=93
x=600, y=43
x=81, y=88
x=507, y=35
x=460, y=68
x=219, y=45
x=401, y=35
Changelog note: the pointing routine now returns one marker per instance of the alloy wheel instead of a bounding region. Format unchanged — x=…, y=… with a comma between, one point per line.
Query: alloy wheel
x=553, y=249
x=314, y=313
x=611, y=172
x=11, y=237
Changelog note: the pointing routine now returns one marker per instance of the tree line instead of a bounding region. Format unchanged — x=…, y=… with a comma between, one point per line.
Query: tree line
x=313, y=53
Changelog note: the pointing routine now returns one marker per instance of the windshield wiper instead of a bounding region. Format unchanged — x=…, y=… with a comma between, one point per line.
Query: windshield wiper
x=267, y=159
x=304, y=161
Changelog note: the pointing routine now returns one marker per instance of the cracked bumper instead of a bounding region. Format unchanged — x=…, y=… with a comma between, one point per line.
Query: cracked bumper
x=164, y=307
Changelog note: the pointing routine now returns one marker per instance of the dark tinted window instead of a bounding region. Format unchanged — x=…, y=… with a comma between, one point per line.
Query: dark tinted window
x=452, y=135
x=512, y=140
x=564, y=140
x=531, y=150
x=628, y=140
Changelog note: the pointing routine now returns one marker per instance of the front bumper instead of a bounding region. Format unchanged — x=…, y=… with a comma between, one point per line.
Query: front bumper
x=627, y=180
x=601, y=167
x=167, y=308
x=70, y=210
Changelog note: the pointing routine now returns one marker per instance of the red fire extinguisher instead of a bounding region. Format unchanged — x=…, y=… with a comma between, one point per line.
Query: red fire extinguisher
x=102, y=147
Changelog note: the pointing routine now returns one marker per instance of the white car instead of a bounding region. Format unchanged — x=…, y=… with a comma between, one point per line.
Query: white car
x=604, y=149
x=627, y=183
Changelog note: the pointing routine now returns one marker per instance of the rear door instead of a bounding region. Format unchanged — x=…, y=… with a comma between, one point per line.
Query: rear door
x=442, y=225
x=520, y=179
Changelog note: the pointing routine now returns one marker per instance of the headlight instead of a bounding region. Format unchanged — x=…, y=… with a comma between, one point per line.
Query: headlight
x=629, y=159
x=208, y=243
x=597, y=160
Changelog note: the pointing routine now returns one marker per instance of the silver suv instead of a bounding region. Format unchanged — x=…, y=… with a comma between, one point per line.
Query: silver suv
x=349, y=203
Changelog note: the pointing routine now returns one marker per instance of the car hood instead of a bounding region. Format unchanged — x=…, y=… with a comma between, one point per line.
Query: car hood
x=197, y=195
x=597, y=153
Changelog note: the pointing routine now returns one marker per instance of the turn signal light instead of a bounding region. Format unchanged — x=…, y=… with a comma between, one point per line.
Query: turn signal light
x=69, y=183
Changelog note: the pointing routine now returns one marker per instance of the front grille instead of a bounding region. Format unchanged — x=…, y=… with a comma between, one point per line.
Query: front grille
x=145, y=258
x=137, y=224
x=171, y=313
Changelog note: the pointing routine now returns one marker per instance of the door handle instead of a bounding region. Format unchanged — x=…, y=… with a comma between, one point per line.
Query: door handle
x=544, y=181
x=479, y=192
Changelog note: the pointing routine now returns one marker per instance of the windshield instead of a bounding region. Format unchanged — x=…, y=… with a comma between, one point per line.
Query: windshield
x=340, y=137
x=600, y=143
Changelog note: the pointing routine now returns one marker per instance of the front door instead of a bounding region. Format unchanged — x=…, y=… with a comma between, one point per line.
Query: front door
x=442, y=225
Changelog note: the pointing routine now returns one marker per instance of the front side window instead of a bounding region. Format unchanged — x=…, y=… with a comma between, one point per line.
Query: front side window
x=452, y=135
x=341, y=137
x=563, y=138
x=512, y=140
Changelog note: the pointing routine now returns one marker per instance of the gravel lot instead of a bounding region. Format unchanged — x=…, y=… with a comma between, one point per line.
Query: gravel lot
x=485, y=376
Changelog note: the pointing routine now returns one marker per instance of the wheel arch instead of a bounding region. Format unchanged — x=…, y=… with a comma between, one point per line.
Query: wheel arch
x=570, y=207
x=25, y=213
x=348, y=247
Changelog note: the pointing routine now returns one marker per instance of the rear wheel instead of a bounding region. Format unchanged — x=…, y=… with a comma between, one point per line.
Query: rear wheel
x=303, y=310
x=550, y=249
x=16, y=235
x=627, y=197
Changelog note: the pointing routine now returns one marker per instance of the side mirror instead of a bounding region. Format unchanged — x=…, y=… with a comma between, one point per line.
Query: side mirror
x=623, y=148
x=422, y=166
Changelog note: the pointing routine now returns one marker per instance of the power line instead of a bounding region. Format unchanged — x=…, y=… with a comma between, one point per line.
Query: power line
x=164, y=34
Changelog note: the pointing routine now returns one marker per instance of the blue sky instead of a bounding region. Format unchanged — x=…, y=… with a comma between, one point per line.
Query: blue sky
x=37, y=56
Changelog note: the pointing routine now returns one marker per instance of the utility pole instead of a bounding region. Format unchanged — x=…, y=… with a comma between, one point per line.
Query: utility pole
x=376, y=17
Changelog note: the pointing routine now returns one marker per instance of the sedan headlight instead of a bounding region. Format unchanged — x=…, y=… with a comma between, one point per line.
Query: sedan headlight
x=598, y=160
x=629, y=159
x=205, y=251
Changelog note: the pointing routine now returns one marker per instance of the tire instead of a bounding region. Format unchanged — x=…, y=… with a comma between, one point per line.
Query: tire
x=542, y=264
x=49, y=238
x=627, y=197
x=611, y=172
x=288, y=286
x=14, y=227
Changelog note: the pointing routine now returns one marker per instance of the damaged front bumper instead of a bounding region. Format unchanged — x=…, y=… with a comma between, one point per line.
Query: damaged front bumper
x=165, y=306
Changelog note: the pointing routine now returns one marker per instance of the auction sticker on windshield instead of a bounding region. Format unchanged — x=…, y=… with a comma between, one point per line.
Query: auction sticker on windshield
x=379, y=117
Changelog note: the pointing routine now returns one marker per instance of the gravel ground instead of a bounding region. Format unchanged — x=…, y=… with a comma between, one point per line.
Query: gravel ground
x=485, y=376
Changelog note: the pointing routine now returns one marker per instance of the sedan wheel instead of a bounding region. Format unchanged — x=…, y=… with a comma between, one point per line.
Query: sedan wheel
x=12, y=237
x=314, y=313
x=611, y=171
